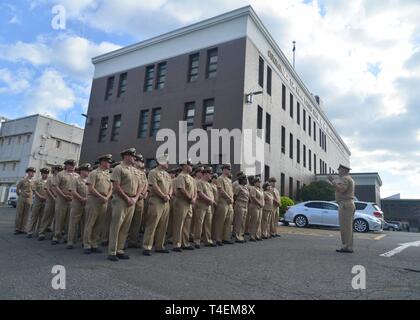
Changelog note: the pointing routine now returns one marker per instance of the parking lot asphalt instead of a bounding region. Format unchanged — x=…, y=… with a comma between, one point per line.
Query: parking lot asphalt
x=301, y=264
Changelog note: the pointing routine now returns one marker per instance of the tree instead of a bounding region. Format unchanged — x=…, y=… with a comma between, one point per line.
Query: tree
x=285, y=202
x=318, y=190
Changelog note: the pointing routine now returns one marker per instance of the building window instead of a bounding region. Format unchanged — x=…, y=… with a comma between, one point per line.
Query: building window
x=14, y=166
x=116, y=127
x=283, y=139
x=282, y=184
x=148, y=80
x=304, y=120
x=155, y=126
x=261, y=72
x=298, y=113
x=320, y=138
x=19, y=139
x=291, y=105
x=259, y=118
x=314, y=131
x=267, y=128
x=321, y=167
x=291, y=146
x=189, y=114
x=309, y=125
x=193, y=67
x=102, y=129
x=291, y=188
x=298, y=151
x=304, y=156
x=1, y=142
x=4, y=166
x=122, y=86
x=266, y=173
x=310, y=159
x=208, y=114
x=143, y=123
x=283, y=96
x=57, y=144
x=161, y=75
x=269, y=75
x=109, y=87
x=297, y=190
x=28, y=138
x=325, y=142
x=212, y=59
x=314, y=163
x=9, y=141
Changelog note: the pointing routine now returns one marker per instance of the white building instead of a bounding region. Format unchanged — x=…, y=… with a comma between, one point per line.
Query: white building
x=34, y=141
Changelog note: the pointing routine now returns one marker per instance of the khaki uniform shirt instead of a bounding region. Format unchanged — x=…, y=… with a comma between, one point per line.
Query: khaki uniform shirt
x=39, y=186
x=80, y=186
x=161, y=179
x=256, y=193
x=206, y=188
x=64, y=181
x=185, y=181
x=225, y=184
x=276, y=195
x=348, y=193
x=25, y=187
x=100, y=180
x=242, y=194
x=143, y=184
x=127, y=178
x=48, y=185
x=268, y=200
x=215, y=192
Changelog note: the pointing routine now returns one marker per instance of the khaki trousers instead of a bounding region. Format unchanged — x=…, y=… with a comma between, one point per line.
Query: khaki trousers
x=134, y=232
x=274, y=221
x=200, y=212
x=120, y=225
x=62, y=211
x=239, y=220
x=95, y=213
x=156, y=224
x=106, y=223
x=247, y=220
x=36, y=217
x=222, y=221
x=255, y=221
x=47, y=217
x=22, y=214
x=208, y=220
x=77, y=221
x=346, y=211
x=169, y=230
x=181, y=223
x=266, y=222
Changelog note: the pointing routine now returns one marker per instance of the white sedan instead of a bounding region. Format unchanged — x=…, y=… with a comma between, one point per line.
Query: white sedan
x=324, y=213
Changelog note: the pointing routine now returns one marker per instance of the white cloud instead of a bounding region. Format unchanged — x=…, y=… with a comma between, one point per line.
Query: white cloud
x=14, y=82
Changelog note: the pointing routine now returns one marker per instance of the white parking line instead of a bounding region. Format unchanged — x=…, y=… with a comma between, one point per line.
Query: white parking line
x=402, y=247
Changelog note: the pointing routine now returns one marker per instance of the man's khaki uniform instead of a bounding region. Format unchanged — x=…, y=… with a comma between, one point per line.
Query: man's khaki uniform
x=183, y=210
x=122, y=214
x=346, y=209
x=240, y=211
x=25, y=188
x=274, y=220
x=37, y=207
x=106, y=223
x=96, y=209
x=48, y=216
x=267, y=213
x=134, y=232
x=169, y=230
x=158, y=210
x=77, y=218
x=202, y=213
x=63, y=181
x=223, y=216
x=255, y=211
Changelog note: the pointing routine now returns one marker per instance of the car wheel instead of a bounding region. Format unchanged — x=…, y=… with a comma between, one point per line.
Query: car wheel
x=360, y=225
x=301, y=221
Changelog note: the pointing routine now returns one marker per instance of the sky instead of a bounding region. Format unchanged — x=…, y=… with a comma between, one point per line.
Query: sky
x=362, y=57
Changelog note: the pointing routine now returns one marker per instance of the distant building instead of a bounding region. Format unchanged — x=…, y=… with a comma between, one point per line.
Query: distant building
x=402, y=210
x=367, y=186
x=34, y=141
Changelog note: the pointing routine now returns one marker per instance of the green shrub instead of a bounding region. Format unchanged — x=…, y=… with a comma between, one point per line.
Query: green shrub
x=285, y=202
x=318, y=190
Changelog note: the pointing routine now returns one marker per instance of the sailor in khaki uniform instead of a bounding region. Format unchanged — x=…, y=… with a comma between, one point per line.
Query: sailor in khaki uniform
x=276, y=205
x=106, y=221
x=235, y=183
x=248, y=216
x=185, y=199
x=39, y=203
x=126, y=192
x=344, y=195
x=134, y=232
x=241, y=194
x=256, y=197
x=160, y=188
x=197, y=174
x=62, y=184
x=223, y=216
x=267, y=211
x=205, y=199
x=48, y=216
x=24, y=190
x=99, y=192
x=77, y=207
x=173, y=174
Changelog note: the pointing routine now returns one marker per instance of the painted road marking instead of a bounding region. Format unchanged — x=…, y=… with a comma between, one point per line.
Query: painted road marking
x=402, y=247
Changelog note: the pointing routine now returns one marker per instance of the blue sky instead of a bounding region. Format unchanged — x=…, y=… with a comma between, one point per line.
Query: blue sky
x=362, y=57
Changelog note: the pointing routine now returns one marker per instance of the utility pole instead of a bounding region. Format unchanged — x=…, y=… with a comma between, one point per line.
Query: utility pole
x=294, y=53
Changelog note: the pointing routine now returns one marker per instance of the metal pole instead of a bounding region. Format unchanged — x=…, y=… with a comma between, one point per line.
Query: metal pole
x=294, y=51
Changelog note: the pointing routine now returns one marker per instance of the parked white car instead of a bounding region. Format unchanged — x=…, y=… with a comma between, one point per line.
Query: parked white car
x=324, y=213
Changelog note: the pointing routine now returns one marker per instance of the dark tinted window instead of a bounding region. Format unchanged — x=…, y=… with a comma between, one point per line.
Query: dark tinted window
x=329, y=206
x=360, y=206
x=316, y=205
